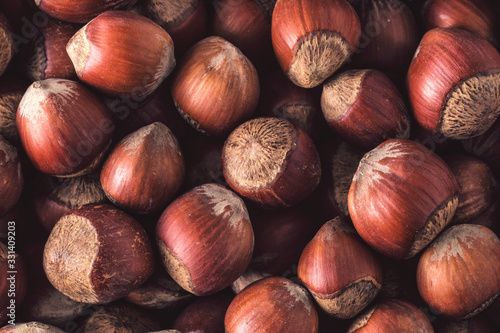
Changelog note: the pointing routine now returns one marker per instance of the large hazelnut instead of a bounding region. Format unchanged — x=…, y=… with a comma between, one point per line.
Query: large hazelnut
x=339, y=270
x=64, y=127
x=206, y=239
x=215, y=87
x=271, y=161
x=365, y=108
x=453, y=83
x=11, y=176
x=140, y=53
x=145, y=170
x=392, y=315
x=458, y=275
x=80, y=11
x=313, y=38
x=401, y=197
x=97, y=254
x=273, y=304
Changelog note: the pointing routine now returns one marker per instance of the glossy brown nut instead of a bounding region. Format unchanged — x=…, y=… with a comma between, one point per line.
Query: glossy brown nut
x=185, y=21
x=215, y=87
x=246, y=24
x=120, y=317
x=140, y=53
x=339, y=270
x=145, y=170
x=206, y=239
x=63, y=112
x=390, y=36
x=271, y=162
x=458, y=274
x=97, y=254
x=401, y=197
x=392, y=316
x=453, y=81
x=55, y=196
x=365, y=108
x=313, y=38
x=478, y=188
x=274, y=304
x=477, y=16
x=80, y=11
x=47, y=57
x=11, y=176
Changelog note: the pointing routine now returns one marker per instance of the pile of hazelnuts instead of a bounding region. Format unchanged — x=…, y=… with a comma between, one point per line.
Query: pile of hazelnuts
x=249, y=166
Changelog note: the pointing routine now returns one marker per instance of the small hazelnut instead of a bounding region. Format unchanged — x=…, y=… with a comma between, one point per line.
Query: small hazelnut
x=144, y=170
x=97, y=254
x=64, y=127
x=206, y=239
x=392, y=315
x=139, y=52
x=313, y=38
x=271, y=162
x=271, y=305
x=339, y=270
x=215, y=87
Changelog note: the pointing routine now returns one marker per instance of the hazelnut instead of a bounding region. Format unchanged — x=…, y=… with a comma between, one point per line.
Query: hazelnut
x=453, y=82
x=139, y=51
x=215, y=87
x=81, y=11
x=206, y=239
x=273, y=304
x=365, y=108
x=392, y=315
x=144, y=170
x=313, y=38
x=64, y=127
x=458, y=274
x=97, y=254
x=401, y=197
x=339, y=270
x=12, y=89
x=271, y=162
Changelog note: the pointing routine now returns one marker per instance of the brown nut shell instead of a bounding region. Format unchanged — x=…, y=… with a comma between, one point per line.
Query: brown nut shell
x=97, y=254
